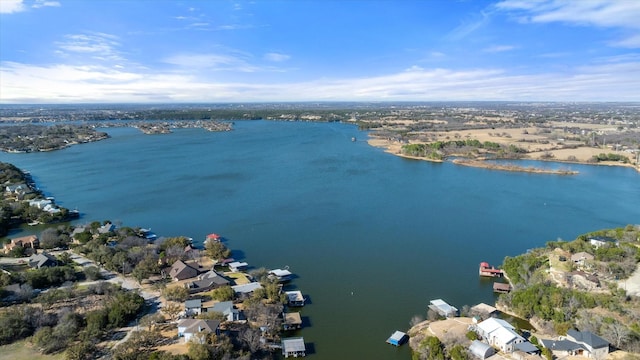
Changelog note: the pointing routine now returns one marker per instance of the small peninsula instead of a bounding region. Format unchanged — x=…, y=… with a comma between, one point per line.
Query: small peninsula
x=565, y=291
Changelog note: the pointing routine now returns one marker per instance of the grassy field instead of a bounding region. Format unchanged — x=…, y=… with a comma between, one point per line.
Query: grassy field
x=22, y=350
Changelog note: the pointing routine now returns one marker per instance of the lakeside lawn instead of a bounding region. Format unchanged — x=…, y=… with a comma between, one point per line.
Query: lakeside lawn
x=22, y=350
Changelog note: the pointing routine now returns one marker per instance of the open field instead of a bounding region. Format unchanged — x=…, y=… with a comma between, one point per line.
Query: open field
x=22, y=350
x=547, y=144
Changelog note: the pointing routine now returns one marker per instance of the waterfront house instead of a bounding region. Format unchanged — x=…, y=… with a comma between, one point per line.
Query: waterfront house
x=237, y=266
x=397, y=338
x=499, y=333
x=442, y=308
x=291, y=321
x=295, y=298
x=245, y=290
x=30, y=241
x=481, y=350
x=293, y=347
x=181, y=271
x=227, y=309
x=197, y=329
x=281, y=275
x=39, y=261
x=193, y=307
x=207, y=281
x=596, y=347
x=598, y=241
x=40, y=203
x=106, y=228
x=19, y=190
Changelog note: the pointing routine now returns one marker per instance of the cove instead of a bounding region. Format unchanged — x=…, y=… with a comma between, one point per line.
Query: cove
x=372, y=237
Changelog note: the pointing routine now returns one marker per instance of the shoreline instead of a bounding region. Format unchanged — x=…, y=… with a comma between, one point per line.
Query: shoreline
x=394, y=147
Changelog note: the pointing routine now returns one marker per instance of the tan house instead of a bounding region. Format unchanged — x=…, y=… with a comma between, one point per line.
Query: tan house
x=30, y=241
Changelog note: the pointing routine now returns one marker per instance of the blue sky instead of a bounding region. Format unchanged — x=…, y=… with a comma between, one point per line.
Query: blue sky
x=70, y=51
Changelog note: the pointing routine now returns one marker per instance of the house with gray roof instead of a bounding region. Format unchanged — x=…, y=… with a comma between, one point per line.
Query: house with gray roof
x=563, y=347
x=41, y=260
x=293, y=347
x=227, y=309
x=245, y=290
x=207, y=281
x=181, y=271
x=597, y=347
x=193, y=307
x=578, y=343
x=197, y=329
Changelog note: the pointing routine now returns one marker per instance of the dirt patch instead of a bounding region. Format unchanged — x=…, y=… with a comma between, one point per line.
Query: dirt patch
x=443, y=329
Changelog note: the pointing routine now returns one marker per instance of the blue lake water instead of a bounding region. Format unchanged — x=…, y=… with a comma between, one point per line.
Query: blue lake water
x=372, y=237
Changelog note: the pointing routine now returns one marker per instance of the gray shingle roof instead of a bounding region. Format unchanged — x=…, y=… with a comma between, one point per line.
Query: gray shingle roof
x=588, y=338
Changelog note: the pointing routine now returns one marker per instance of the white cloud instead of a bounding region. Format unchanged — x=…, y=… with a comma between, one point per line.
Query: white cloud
x=470, y=26
x=602, y=13
x=11, y=6
x=612, y=79
x=98, y=46
x=499, y=48
x=14, y=6
x=44, y=3
x=276, y=57
x=218, y=62
x=632, y=42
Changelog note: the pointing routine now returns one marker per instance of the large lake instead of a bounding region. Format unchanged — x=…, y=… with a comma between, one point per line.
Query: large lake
x=372, y=237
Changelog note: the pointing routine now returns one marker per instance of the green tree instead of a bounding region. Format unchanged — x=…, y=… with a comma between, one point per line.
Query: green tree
x=92, y=273
x=198, y=351
x=216, y=250
x=223, y=293
x=176, y=293
x=458, y=352
x=431, y=348
x=84, y=350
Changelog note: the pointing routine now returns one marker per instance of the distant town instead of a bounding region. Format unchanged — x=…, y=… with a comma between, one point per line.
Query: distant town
x=471, y=132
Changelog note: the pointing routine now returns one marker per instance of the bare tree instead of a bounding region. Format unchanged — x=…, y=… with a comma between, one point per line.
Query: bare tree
x=618, y=333
x=251, y=337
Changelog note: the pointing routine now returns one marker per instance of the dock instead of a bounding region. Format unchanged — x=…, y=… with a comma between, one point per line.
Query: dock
x=295, y=298
x=397, y=338
x=501, y=288
x=487, y=270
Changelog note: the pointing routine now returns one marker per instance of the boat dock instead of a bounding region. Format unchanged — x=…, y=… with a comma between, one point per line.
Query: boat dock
x=490, y=271
x=397, y=338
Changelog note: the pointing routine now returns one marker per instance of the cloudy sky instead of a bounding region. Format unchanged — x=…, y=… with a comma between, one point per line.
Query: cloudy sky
x=70, y=51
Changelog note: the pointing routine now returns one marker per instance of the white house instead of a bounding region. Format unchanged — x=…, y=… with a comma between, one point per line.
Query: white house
x=195, y=329
x=500, y=334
